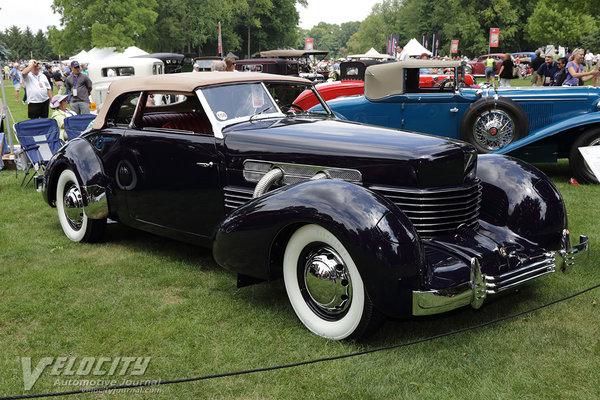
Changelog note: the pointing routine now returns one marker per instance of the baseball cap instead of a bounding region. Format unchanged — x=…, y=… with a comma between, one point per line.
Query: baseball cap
x=74, y=64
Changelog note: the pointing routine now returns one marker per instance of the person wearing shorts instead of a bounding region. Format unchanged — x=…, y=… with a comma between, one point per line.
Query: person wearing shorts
x=490, y=70
x=16, y=80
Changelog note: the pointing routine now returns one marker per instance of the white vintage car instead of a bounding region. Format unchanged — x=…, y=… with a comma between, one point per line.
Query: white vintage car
x=103, y=72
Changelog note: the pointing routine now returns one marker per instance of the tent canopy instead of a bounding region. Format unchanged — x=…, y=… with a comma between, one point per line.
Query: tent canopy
x=371, y=54
x=96, y=54
x=414, y=48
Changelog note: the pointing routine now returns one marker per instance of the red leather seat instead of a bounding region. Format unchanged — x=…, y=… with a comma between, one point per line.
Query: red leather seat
x=194, y=122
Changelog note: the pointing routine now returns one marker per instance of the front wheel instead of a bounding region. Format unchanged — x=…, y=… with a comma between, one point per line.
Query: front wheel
x=490, y=124
x=69, y=204
x=580, y=168
x=324, y=286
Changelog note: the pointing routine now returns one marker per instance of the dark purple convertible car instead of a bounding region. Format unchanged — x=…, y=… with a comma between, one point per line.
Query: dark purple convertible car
x=361, y=222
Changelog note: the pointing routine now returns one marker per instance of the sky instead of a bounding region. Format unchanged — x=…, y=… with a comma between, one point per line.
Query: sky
x=38, y=14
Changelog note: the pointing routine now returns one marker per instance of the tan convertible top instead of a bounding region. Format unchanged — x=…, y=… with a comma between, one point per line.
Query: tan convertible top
x=383, y=80
x=182, y=82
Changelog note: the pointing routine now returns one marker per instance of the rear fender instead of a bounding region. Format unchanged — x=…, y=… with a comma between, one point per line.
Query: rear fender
x=379, y=237
x=79, y=156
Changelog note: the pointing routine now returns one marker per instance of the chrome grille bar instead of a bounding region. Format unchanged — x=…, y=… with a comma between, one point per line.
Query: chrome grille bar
x=499, y=283
x=436, y=211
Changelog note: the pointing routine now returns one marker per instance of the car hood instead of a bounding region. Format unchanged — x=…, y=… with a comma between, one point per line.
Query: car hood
x=383, y=156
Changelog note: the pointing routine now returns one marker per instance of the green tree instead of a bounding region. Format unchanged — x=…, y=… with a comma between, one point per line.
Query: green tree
x=551, y=24
x=102, y=23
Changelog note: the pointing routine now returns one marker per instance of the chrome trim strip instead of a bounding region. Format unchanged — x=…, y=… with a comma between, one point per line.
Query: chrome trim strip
x=95, y=202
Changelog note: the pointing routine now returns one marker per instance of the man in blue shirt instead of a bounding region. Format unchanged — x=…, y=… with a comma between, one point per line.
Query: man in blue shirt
x=546, y=72
x=16, y=80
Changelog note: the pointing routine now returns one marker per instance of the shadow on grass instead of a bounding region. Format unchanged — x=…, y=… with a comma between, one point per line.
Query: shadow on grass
x=271, y=298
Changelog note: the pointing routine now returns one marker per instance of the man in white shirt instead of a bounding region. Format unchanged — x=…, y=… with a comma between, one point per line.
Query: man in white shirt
x=589, y=60
x=38, y=91
x=401, y=55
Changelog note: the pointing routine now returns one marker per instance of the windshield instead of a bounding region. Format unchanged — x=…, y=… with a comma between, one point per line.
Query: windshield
x=256, y=99
x=230, y=102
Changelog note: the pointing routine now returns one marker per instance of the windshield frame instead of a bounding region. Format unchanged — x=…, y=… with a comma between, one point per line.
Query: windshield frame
x=219, y=125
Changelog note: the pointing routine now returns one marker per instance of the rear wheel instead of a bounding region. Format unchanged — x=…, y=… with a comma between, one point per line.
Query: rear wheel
x=324, y=286
x=69, y=205
x=579, y=167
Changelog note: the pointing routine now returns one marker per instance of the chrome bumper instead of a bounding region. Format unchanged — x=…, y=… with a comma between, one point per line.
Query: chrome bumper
x=476, y=290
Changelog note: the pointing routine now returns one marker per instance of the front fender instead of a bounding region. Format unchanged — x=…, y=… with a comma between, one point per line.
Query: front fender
x=380, y=238
x=520, y=197
x=551, y=130
x=79, y=156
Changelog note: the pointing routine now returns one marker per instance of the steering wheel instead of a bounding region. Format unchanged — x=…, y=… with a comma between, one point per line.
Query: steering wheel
x=291, y=106
x=442, y=83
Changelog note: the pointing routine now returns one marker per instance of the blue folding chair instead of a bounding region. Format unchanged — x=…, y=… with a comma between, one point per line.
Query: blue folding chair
x=3, y=148
x=39, y=140
x=76, y=124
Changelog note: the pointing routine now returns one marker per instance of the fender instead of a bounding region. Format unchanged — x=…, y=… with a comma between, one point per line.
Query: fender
x=79, y=156
x=379, y=237
x=520, y=197
x=551, y=130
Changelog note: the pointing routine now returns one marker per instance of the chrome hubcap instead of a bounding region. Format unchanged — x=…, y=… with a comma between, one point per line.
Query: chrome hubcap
x=327, y=281
x=73, y=206
x=493, y=130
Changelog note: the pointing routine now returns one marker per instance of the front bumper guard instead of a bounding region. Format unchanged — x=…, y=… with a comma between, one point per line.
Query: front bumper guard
x=477, y=289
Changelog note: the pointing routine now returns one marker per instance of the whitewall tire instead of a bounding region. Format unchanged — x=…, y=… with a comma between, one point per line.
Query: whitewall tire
x=69, y=205
x=324, y=285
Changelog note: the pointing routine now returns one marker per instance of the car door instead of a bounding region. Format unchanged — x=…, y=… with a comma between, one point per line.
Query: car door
x=170, y=174
x=431, y=110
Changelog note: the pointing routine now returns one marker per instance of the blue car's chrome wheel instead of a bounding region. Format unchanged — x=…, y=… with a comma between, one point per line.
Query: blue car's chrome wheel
x=492, y=123
x=494, y=129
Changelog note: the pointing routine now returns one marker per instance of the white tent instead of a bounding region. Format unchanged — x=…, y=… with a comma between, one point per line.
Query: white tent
x=371, y=54
x=414, y=48
x=105, y=52
x=133, y=52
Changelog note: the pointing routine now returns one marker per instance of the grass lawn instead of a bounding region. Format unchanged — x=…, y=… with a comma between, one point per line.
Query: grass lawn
x=139, y=295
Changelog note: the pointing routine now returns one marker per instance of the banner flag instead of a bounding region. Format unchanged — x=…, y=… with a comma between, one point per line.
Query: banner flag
x=494, y=37
x=436, y=44
x=454, y=46
x=220, y=42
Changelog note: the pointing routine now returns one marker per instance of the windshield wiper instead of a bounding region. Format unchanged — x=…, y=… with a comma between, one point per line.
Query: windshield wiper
x=261, y=111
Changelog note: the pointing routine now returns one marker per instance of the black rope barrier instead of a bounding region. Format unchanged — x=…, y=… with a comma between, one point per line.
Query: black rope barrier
x=301, y=363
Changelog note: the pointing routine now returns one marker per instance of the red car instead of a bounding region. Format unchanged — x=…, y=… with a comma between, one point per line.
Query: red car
x=352, y=74
x=477, y=66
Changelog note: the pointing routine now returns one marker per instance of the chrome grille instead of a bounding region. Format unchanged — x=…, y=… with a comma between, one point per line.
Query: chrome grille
x=236, y=196
x=436, y=211
x=535, y=268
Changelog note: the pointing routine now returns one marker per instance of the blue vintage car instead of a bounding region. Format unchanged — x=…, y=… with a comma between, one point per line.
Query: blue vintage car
x=536, y=124
x=361, y=222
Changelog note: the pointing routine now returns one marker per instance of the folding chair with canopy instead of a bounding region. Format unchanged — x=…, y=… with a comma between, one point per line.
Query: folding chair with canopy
x=76, y=124
x=39, y=140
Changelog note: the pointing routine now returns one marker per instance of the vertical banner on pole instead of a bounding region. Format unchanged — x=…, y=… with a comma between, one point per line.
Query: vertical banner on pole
x=220, y=42
x=427, y=41
x=309, y=43
x=392, y=42
x=436, y=44
x=494, y=37
x=454, y=46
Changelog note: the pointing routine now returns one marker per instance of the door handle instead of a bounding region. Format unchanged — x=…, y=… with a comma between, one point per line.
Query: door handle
x=205, y=165
x=454, y=110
